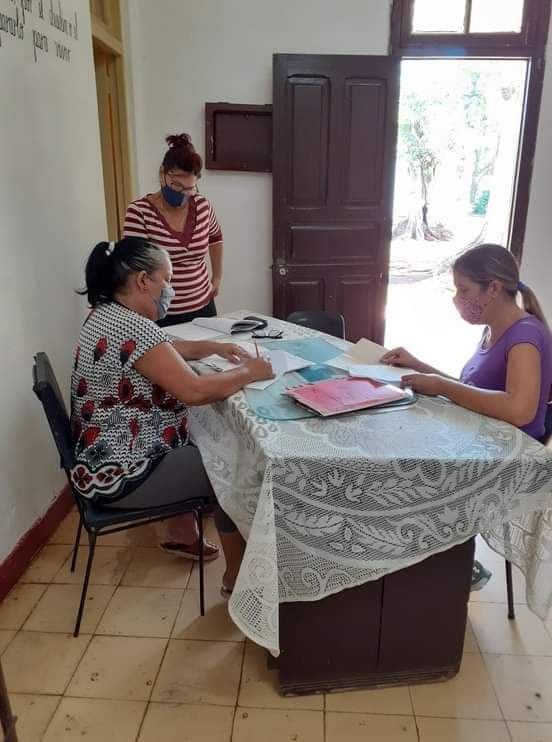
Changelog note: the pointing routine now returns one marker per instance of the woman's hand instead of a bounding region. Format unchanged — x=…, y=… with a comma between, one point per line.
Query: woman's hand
x=231, y=352
x=430, y=384
x=259, y=368
x=401, y=357
x=215, y=283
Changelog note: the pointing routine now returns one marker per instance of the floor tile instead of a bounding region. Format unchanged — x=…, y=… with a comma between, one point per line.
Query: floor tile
x=461, y=730
x=184, y=723
x=42, y=663
x=523, y=686
x=213, y=575
x=215, y=625
x=252, y=725
x=95, y=720
x=66, y=532
x=526, y=732
x=470, y=642
x=33, y=714
x=469, y=695
x=110, y=562
x=200, y=672
x=152, y=568
x=57, y=609
x=18, y=605
x=390, y=701
x=259, y=685
x=497, y=635
x=364, y=727
x=118, y=667
x=141, y=611
x=47, y=564
x=5, y=639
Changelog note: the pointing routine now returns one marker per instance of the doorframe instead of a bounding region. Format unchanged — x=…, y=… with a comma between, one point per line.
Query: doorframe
x=529, y=44
x=106, y=27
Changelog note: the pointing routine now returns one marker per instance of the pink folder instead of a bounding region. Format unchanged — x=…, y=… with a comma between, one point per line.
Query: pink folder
x=345, y=395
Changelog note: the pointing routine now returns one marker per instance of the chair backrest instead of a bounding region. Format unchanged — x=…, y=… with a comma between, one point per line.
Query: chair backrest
x=328, y=322
x=547, y=425
x=46, y=388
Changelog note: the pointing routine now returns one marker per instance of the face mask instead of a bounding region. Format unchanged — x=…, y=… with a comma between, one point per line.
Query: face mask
x=164, y=301
x=174, y=198
x=469, y=310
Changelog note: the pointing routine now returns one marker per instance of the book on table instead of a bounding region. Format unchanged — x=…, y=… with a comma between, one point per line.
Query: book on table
x=336, y=396
x=229, y=326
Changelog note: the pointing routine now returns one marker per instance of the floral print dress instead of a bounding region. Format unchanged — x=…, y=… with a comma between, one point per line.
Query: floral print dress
x=122, y=424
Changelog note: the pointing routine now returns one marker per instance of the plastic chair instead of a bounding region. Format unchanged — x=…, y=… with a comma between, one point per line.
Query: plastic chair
x=509, y=584
x=328, y=322
x=98, y=520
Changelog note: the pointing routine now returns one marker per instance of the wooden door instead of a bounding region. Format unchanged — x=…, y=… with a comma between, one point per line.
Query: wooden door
x=335, y=120
x=107, y=86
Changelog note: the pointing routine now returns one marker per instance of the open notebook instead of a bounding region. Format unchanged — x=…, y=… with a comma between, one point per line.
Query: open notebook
x=336, y=396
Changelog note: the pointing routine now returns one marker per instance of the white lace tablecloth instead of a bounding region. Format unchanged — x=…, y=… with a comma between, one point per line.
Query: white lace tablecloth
x=327, y=504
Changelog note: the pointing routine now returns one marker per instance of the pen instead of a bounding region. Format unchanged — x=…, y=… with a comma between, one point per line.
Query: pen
x=257, y=349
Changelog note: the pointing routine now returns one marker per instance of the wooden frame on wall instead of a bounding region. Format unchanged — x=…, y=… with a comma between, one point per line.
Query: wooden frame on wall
x=238, y=137
x=529, y=43
x=107, y=42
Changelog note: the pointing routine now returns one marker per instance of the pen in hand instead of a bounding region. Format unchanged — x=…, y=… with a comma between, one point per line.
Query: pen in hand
x=257, y=349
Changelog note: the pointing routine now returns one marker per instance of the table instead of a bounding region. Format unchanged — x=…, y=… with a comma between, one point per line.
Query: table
x=331, y=504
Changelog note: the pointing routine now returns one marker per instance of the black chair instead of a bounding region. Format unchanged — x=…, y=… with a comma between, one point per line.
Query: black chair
x=509, y=584
x=7, y=719
x=328, y=322
x=97, y=520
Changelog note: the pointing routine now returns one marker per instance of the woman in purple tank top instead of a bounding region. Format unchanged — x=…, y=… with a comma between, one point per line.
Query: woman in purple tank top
x=509, y=376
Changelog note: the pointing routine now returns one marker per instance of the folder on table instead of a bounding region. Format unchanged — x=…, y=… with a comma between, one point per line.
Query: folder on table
x=336, y=396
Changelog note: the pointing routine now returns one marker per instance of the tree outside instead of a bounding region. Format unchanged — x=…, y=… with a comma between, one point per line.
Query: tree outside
x=459, y=128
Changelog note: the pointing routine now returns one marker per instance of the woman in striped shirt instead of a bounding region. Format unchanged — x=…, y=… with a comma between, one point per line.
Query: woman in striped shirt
x=183, y=222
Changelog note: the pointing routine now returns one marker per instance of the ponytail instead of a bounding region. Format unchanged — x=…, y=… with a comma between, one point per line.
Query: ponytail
x=110, y=264
x=530, y=303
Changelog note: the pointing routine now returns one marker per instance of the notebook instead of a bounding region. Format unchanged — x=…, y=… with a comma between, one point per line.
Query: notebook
x=337, y=396
x=228, y=326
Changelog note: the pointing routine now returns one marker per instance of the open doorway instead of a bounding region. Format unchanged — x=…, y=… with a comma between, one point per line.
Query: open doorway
x=460, y=126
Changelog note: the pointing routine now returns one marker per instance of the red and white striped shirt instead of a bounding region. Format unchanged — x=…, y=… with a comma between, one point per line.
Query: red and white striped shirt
x=187, y=249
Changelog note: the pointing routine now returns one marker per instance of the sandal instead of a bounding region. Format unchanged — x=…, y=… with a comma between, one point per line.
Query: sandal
x=226, y=592
x=210, y=550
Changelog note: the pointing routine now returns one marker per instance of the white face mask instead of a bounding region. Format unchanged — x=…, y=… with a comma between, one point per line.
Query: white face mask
x=164, y=301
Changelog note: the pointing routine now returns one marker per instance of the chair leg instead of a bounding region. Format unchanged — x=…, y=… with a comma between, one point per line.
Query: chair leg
x=76, y=546
x=7, y=719
x=510, y=590
x=199, y=518
x=91, y=550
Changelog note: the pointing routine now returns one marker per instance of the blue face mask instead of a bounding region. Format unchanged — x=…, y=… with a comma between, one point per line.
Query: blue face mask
x=174, y=198
x=164, y=301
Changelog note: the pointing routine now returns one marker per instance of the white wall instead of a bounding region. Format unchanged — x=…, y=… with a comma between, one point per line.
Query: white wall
x=51, y=213
x=185, y=54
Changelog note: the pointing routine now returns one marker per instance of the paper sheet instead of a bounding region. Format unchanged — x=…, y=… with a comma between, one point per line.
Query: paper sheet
x=378, y=371
x=189, y=331
x=282, y=363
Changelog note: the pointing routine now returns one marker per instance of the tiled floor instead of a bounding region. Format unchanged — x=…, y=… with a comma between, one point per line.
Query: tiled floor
x=147, y=668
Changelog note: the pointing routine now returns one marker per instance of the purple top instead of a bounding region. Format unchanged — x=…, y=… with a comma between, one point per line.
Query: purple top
x=486, y=369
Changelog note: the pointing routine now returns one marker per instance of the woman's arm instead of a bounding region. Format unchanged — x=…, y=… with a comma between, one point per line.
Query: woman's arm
x=193, y=350
x=163, y=366
x=517, y=405
x=215, y=254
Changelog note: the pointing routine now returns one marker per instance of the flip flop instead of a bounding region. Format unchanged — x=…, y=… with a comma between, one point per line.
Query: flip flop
x=210, y=550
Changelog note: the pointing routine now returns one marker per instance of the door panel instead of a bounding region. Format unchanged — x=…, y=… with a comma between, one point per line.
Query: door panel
x=333, y=162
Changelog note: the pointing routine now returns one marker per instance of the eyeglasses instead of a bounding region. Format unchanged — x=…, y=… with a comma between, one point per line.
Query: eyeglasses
x=190, y=191
x=268, y=334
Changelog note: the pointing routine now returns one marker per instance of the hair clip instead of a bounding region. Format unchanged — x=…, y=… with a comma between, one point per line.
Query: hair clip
x=109, y=249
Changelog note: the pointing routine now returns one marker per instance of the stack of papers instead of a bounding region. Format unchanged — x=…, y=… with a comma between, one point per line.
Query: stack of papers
x=282, y=363
x=362, y=361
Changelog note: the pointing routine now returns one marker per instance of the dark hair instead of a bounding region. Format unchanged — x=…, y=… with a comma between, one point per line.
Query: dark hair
x=182, y=155
x=110, y=264
x=485, y=263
